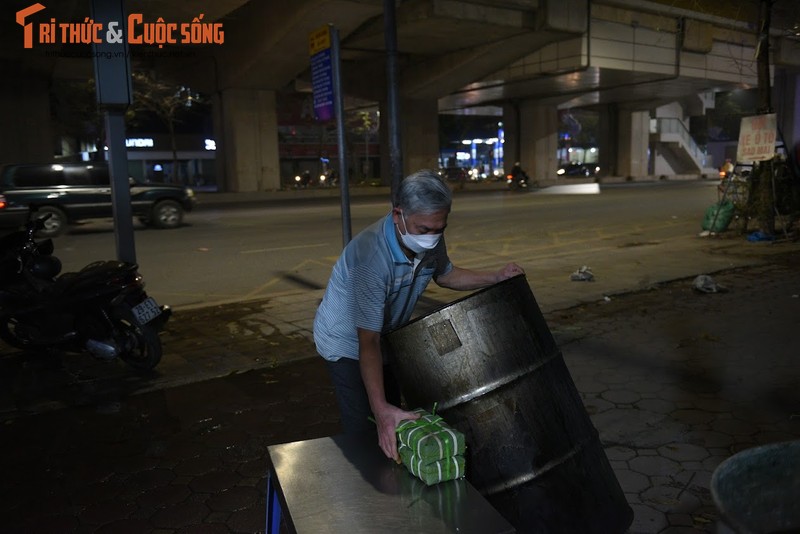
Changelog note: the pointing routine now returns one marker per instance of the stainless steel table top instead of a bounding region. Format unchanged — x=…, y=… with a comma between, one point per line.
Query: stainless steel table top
x=345, y=484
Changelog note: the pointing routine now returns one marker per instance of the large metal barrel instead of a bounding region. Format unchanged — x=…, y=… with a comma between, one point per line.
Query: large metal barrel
x=492, y=368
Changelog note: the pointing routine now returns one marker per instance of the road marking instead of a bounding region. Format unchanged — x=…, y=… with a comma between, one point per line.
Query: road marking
x=256, y=251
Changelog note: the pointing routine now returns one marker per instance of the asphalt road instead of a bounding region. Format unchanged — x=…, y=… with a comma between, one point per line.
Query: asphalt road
x=247, y=251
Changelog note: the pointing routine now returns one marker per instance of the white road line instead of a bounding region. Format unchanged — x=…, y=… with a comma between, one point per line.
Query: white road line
x=256, y=251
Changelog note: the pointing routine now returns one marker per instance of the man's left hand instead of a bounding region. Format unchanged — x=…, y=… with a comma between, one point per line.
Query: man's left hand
x=509, y=271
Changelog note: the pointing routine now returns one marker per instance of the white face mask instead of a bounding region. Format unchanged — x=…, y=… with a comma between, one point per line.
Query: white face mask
x=418, y=243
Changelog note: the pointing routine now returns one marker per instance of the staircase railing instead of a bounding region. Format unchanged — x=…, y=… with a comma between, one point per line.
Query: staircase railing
x=670, y=125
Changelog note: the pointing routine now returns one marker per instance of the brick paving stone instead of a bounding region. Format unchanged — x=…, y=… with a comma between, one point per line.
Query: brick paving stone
x=656, y=405
x=233, y=499
x=647, y=520
x=250, y=520
x=621, y=396
x=683, y=452
x=197, y=466
x=692, y=417
x=620, y=453
x=125, y=526
x=631, y=481
x=103, y=512
x=654, y=465
x=709, y=439
x=214, y=482
x=180, y=515
x=163, y=495
x=206, y=528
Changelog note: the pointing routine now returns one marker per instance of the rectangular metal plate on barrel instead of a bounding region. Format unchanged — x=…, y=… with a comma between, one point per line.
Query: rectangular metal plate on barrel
x=444, y=337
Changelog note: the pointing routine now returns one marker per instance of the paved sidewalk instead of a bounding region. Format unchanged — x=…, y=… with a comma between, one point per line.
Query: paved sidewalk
x=674, y=380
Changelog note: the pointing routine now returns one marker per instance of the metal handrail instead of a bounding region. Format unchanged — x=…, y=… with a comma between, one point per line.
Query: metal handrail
x=671, y=125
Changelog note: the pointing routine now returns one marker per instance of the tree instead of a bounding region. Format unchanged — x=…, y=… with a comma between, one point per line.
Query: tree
x=761, y=186
x=167, y=102
x=363, y=124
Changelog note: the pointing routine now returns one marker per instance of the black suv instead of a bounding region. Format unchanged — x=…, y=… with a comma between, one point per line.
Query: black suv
x=74, y=191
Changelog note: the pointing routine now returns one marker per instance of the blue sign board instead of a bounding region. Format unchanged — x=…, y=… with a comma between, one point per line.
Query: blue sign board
x=322, y=85
x=319, y=48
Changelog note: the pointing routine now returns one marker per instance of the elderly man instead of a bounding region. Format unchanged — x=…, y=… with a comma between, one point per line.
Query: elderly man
x=373, y=288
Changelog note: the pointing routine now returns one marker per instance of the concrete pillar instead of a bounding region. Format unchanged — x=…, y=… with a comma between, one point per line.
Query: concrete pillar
x=538, y=140
x=634, y=136
x=607, y=129
x=511, y=146
x=419, y=136
x=246, y=123
x=787, y=108
x=27, y=135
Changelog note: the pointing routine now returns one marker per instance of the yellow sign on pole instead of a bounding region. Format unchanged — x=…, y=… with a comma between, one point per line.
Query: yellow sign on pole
x=757, y=135
x=319, y=40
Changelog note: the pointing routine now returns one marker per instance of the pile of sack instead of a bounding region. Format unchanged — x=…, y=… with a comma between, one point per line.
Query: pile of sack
x=430, y=449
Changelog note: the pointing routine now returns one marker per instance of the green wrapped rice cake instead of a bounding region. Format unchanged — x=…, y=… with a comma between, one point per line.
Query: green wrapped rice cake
x=431, y=449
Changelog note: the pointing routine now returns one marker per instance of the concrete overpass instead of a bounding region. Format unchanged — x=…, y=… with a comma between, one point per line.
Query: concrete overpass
x=632, y=60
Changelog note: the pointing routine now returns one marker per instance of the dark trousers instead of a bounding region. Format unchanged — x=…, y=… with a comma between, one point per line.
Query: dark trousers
x=352, y=396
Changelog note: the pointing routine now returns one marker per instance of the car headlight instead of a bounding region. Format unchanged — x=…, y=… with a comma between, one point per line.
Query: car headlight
x=560, y=172
x=189, y=192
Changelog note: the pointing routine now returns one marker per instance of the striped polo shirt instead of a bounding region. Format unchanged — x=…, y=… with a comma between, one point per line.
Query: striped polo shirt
x=373, y=286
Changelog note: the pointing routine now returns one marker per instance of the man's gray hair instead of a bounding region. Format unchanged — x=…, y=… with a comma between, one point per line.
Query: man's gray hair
x=424, y=192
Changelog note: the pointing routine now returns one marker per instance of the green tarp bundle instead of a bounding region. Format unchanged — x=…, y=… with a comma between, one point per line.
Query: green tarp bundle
x=430, y=449
x=718, y=216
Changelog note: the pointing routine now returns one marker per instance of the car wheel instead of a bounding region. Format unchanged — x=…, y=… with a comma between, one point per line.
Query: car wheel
x=167, y=214
x=55, y=225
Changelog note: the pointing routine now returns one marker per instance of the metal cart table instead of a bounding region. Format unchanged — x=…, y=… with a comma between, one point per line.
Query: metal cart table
x=346, y=484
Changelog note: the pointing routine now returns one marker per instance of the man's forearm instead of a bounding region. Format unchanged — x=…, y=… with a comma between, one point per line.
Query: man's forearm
x=372, y=374
x=465, y=279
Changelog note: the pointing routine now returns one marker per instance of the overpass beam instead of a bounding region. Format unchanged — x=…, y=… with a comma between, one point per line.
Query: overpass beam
x=246, y=121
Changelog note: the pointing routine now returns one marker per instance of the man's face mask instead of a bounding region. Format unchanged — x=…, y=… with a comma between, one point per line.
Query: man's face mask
x=418, y=243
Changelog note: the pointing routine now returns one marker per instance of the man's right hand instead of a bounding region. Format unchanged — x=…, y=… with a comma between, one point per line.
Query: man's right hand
x=387, y=420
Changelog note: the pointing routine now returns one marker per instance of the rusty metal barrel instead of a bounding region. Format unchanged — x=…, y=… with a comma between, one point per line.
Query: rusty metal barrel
x=490, y=364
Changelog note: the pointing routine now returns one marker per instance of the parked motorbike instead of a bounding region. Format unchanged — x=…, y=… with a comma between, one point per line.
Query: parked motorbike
x=102, y=309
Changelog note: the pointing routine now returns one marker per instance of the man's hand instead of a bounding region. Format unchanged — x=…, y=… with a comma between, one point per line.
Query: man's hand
x=387, y=420
x=509, y=271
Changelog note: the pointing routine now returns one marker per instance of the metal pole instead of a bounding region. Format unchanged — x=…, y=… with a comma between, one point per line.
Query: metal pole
x=114, y=94
x=120, y=186
x=338, y=106
x=393, y=108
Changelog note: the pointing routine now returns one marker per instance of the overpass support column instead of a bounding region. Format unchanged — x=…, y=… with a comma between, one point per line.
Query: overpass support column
x=633, y=140
x=419, y=136
x=787, y=93
x=246, y=122
x=607, y=140
x=25, y=104
x=538, y=140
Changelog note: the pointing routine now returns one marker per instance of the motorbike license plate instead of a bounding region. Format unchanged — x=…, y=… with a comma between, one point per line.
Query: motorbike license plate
x=146, y=310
